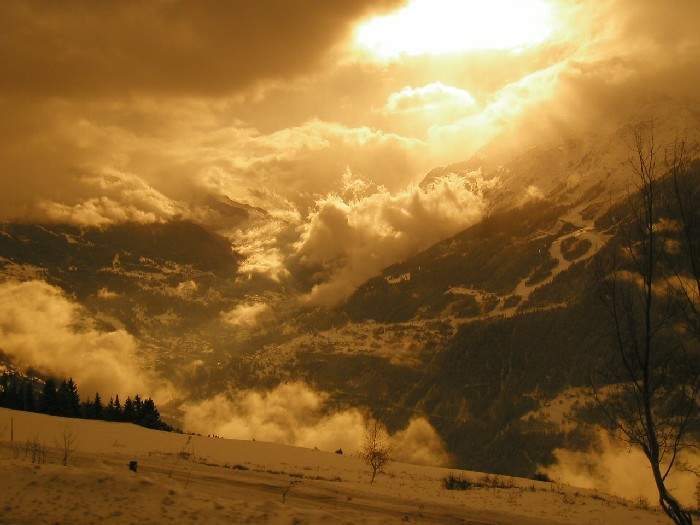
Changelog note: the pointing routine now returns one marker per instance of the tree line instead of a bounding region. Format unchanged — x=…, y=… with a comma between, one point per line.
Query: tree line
x=62, y=399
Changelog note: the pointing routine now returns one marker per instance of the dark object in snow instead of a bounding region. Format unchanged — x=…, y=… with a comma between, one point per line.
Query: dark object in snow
x=339, y=451
x=541, y=476
x=133, y=465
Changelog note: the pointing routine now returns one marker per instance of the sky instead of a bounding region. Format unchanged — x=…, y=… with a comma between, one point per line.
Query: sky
x=325, y=114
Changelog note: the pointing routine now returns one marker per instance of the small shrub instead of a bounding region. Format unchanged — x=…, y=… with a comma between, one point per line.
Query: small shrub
x=541, y=476
x=456, y=482
x=35, y=451
x=494, y=482
x=641, y=503
x=568, y=499
x=487, y=481
x=288, y=488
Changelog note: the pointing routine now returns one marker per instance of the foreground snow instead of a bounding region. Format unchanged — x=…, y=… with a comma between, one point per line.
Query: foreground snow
x=183, y=479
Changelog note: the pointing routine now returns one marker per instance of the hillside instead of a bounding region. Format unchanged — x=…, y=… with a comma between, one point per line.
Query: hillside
x=210, y=480
x=475, y=333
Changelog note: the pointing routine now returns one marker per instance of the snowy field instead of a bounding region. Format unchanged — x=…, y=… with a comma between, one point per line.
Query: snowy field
x=183, y=479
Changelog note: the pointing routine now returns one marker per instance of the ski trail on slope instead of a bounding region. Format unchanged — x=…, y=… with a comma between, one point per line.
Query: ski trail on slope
x=585, y=230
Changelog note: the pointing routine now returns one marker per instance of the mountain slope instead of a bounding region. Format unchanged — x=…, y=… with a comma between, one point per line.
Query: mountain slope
x=476, y=333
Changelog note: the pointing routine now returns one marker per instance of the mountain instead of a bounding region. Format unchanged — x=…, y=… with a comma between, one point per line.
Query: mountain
x=489, y=334
x=223, y=214
x=590, y=165
x=474, y=333
x=492, y=333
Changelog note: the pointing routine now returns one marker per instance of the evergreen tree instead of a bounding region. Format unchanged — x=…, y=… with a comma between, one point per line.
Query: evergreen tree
x=73, y=399
x=151, y=416
x=48, y=400
x=62, y=398
x=97, y=408
x=28, y=402
x=87, y=410
x=8, y=392
x=17, y=392
x=3, y=389
x=3, y=383
x=110, y=411
x=129, y=414
x=138, y=408
x=11, y=398
x=118, y=412
x=68, y=399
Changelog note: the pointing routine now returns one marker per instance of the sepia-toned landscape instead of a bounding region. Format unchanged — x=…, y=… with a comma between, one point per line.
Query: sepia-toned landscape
x=425, y=261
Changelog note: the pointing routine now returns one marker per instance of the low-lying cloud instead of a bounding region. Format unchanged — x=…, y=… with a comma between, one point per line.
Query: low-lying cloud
x=122, y=198
x=295, y=414
x=348, y=240
x=43, y=329
x=617, y=469
x=247, y=315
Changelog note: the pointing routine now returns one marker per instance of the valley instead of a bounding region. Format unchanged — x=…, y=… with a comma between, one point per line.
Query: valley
x=471, y=333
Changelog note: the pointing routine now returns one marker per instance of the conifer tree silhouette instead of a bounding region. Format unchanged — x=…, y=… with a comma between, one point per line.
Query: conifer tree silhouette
x=28, y=402
x=129, y=414
x=97, y=408
x=118, y=416
x=19, y=393
x=48, y=400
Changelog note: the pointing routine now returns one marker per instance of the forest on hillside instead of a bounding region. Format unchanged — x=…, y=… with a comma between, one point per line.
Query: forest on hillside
x=63, y=399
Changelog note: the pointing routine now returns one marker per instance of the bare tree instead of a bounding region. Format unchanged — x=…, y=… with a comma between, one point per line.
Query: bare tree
x=67, y=444
x=286, y=490
x=682, y=206
x=651, y=382
x=35, y=450
x=375, y=449
x=186, y=453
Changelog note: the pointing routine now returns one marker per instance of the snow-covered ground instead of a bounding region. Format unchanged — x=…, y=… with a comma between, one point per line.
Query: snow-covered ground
x=193, y=479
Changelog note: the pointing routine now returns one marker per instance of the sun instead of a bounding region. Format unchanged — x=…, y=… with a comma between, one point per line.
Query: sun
x=435, y=27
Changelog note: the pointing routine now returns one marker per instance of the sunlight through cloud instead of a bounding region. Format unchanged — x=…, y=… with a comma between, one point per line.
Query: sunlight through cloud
x=455, y=26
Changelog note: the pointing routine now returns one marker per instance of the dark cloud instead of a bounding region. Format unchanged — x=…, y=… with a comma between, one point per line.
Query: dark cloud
x=79, y=47
x=672, y=26
x=165, y=95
